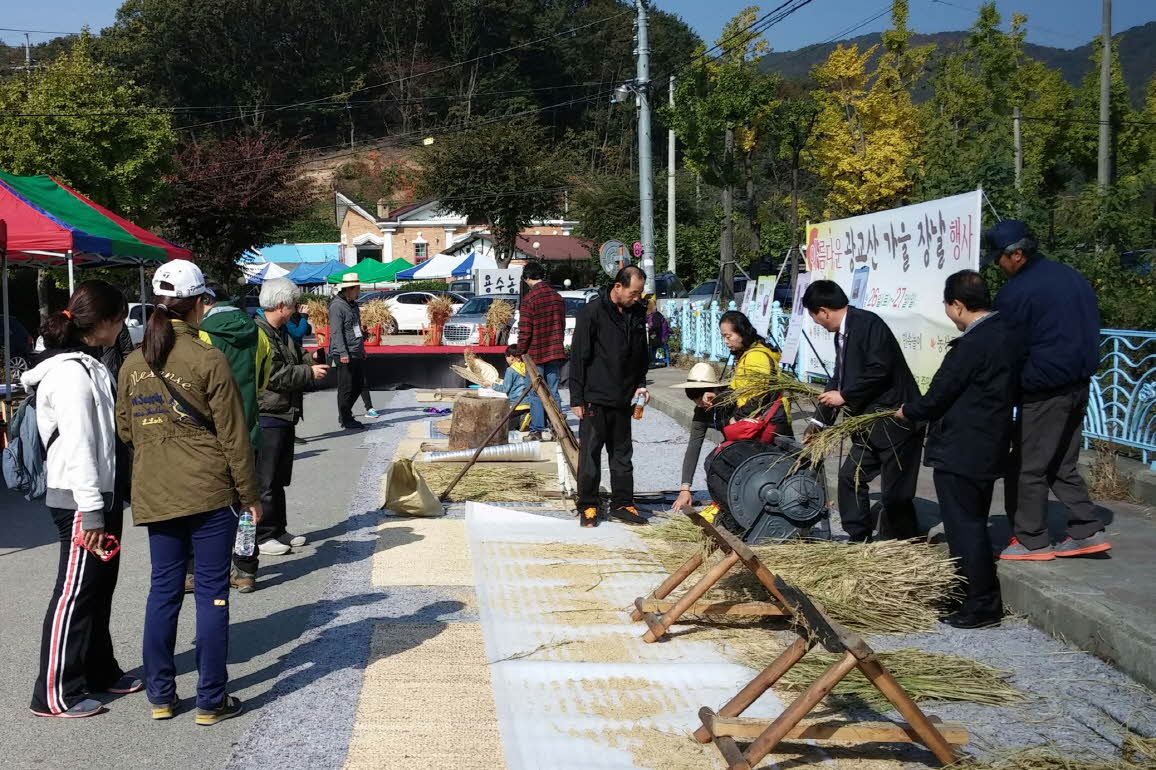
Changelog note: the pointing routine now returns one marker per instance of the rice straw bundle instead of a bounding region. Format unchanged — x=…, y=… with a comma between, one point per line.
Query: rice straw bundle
x=924, y=675
x=892, y=586
x=499, y=315
x=317, y=311
x=485, y=483
x=1139, y=751
x=376, y=313
x=768, y=387
x=439, y=309
x=827, y=441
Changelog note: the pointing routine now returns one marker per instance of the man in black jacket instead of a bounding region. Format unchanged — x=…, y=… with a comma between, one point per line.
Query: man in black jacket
x=969, y=404
x=870, y=375
x=347, y=348
x=608, y=362
x=1056, y=310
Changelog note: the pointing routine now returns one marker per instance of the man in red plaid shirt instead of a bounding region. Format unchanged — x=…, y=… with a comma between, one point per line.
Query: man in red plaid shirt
x=541, y=332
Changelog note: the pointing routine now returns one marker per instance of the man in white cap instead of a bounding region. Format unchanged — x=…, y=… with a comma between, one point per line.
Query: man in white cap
x=347, y=348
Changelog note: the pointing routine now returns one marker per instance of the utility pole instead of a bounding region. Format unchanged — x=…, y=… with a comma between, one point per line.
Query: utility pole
x=645, y=170
x=670, y=194
x=27, y=52
x=1019, y=148
x=726, y=287
x=1103, y=171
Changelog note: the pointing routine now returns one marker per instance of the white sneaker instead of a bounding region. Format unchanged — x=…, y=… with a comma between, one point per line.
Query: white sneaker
x=273, y=548
x=297, y=540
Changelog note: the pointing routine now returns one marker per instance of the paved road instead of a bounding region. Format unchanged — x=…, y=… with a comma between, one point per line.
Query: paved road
x=265, y=625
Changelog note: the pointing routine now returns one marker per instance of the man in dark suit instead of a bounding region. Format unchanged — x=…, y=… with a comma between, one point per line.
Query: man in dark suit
x=870, y=375
x=969, y=404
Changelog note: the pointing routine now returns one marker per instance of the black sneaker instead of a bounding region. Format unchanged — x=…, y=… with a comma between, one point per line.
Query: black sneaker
x=533, y=436
x=353, y=425
x=588, y=517
x=627, y=514
x=228, y=709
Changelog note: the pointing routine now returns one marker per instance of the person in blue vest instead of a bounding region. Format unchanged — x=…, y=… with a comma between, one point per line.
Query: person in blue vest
x=1056, y=310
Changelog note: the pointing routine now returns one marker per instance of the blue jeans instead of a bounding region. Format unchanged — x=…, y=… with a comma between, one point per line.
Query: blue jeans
x=550, y=374
x=208, y=539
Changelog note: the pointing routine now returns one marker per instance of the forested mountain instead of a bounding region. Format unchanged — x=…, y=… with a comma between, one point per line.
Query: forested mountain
x=1136, y=46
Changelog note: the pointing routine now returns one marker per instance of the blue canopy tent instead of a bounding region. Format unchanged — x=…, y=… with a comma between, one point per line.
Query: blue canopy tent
x=313, y=274
x=445, y=266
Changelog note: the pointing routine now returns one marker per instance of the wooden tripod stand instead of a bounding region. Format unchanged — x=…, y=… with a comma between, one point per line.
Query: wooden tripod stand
x=813, y=627
x=660, y=614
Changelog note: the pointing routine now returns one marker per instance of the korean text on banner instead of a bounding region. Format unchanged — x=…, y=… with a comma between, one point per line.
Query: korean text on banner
x=506, y=281
x=894, y=263
x=760, y=312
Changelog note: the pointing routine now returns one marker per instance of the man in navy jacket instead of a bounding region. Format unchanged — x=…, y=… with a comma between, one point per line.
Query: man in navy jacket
x=1056, y=310
x=969, y=405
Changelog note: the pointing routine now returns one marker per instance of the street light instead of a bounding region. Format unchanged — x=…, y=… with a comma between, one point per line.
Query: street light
x=622, y=93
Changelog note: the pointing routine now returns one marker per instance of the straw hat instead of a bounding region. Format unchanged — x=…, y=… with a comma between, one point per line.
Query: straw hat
x=349, y=279
x=702, y=376
x=478, y=372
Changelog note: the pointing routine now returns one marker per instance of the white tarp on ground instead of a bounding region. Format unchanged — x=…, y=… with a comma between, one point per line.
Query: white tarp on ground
x=560, y=686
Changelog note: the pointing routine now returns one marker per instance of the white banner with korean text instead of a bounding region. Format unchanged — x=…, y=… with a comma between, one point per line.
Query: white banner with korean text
x=894, y=263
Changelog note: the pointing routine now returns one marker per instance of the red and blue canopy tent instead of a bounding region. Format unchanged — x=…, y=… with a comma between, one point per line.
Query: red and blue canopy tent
x=48, y=224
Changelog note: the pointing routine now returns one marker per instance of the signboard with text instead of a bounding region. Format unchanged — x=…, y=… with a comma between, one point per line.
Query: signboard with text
x=894, y=263
x=498, y=281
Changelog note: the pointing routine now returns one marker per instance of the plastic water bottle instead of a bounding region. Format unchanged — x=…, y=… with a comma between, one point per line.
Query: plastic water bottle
x=246, y=535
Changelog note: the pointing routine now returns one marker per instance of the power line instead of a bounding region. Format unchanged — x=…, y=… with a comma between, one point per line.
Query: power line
x=36, y=31
x=973, y=10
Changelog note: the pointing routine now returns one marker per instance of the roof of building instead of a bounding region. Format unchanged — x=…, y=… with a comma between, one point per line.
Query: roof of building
x=553, y=247
x=296, y=253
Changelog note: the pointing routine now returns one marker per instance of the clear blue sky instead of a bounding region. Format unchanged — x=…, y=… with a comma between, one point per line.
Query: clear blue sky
x=1064, y=23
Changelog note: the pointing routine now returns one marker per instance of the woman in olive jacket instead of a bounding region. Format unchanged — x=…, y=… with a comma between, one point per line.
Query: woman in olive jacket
x=179, y=407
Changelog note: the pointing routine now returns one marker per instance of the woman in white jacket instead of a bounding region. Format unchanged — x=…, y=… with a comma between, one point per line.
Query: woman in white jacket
x=75, y=403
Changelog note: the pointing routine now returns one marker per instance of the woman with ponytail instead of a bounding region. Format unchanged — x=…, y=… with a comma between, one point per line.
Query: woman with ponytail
x=75, y=420
x=180, y=409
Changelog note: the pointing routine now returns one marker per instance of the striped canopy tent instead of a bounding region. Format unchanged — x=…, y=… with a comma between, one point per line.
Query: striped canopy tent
x=446, y=266
x=370, y=270
x=258, y=273
x=49, y=224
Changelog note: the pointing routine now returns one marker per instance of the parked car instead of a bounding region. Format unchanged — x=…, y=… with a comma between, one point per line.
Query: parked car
x=706, y=290
x=369, y=296
x=408, y=307
x=22, y=344
x=668, y=286
x=575, y=301
x=138, y=318
x=467, y=323
x=463, y=287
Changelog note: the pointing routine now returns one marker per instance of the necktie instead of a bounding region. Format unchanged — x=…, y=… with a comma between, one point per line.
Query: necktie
x=840, y=351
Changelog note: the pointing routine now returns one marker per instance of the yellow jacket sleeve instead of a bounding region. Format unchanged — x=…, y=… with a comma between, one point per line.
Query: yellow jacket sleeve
x=264, y=356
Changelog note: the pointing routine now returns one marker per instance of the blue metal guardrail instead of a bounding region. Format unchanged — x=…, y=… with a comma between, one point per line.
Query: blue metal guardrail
x=1121, y=407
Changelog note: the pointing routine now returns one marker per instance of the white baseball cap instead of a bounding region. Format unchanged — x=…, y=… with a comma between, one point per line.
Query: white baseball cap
x=186, y=279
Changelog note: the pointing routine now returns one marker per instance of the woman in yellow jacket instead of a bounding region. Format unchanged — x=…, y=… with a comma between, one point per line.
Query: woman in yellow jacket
x=754, y=363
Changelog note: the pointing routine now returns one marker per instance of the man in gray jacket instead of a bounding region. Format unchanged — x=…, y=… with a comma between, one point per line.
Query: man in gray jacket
x=347, y=348
x=279, y=406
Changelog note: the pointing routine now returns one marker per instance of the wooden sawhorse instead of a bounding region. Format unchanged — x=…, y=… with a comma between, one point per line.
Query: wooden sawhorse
x=660, y=614
x=814, y=627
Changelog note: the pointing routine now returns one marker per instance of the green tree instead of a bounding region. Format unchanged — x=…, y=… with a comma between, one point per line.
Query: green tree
x=720, y=116
x=82, y=122
x=506, y=172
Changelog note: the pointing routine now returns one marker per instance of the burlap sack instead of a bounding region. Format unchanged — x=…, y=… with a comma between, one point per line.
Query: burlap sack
x=405, y=493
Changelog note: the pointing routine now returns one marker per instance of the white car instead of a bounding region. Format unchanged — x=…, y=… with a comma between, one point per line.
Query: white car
x=575, y=301
x=137, y=318
x=408, y=308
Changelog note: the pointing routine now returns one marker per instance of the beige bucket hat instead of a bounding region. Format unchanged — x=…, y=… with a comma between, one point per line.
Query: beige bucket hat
x=349, y=279
x=701, y=375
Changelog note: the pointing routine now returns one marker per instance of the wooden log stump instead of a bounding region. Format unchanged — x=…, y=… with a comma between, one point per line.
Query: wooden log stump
x=474, y=418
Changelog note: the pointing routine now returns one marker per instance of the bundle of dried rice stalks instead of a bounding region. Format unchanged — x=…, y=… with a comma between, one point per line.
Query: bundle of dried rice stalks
x=1105, y=479
x=893, y=586
x=317, y=311
x=376, y=313
x=1139, y=751
x=828, y=441
x=486, y=483
x=926, y=676
x=477, y=371
x=499, y=315
x=439, y=309
x=768, y=387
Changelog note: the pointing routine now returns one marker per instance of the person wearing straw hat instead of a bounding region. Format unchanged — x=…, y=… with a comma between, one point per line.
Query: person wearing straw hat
x=347, y=348
x=701, y=386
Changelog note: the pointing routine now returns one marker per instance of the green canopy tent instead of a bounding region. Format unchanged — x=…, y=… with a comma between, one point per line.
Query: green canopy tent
x=370, y=270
